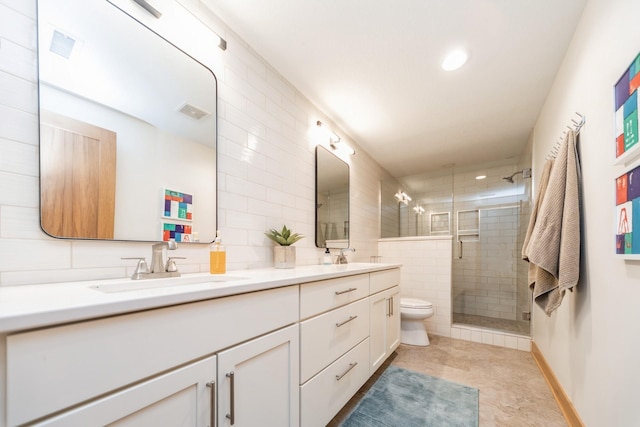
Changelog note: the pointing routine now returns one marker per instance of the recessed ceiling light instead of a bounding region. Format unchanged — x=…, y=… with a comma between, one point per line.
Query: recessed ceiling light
x=454, y=60
x=481, y=176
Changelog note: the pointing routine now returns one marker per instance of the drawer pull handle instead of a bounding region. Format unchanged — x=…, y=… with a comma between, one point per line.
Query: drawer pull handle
x=351, y=366
x=346, y=321
x=212, y=386
x=232, y=405
x=346, y=291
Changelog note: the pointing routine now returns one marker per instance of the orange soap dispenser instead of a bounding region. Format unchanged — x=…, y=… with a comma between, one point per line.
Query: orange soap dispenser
x=217, y=256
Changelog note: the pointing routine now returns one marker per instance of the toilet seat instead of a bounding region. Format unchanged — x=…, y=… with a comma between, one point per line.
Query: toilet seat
x=415, y=303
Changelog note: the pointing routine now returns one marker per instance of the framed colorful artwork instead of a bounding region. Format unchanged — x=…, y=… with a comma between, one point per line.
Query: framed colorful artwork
x=181, y=233
x=626, y=110
x=178, y=205
x=627, y=190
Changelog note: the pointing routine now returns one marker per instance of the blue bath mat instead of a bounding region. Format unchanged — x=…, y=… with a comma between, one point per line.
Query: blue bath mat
x=409, y=399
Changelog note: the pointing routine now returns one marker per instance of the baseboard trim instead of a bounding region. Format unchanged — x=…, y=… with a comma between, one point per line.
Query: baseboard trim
x=568, y=410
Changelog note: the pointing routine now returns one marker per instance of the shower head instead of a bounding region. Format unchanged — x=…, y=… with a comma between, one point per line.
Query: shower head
x=526, y=173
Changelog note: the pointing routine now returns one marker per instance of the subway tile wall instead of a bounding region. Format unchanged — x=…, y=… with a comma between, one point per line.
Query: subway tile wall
x=266, y=168
x=425, y=274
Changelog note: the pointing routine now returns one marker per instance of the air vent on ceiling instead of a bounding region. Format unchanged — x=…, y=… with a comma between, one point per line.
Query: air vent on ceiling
x=193, y=111
x=62, y=44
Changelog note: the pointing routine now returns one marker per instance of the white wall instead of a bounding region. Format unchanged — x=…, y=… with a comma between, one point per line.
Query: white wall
x=591, y=341
x=266, y=168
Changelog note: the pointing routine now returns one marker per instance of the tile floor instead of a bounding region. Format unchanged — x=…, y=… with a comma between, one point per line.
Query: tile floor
x=513, y=392
x=520, y=327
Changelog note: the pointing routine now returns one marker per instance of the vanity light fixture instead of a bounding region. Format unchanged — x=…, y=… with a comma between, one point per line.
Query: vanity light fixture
x=222, y=43
x=402, y=197
x=418, y=209
x=334, y=140
x=454, y=60
x=146, y=6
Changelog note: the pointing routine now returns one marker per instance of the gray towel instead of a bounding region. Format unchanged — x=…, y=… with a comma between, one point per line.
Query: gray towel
x=554, y=243
x=542, y=188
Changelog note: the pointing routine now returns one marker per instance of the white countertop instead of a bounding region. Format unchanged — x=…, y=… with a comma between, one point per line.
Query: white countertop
x=36, y=306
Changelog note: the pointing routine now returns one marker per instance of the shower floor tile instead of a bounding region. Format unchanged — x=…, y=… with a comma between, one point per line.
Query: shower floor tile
x=520, y=327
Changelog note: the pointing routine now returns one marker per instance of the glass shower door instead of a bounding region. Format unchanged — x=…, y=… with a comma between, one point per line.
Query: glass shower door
x=490, y=287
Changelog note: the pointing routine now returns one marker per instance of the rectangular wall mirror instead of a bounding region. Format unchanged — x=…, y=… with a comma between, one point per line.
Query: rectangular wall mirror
x=332, y=200
x=127, y=129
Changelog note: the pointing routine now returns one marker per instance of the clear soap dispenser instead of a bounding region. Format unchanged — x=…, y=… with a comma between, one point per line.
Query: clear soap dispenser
x=217, y=256
x=326, y=258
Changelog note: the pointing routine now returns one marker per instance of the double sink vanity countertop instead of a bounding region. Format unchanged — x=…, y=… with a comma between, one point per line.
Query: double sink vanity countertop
x=36, y=306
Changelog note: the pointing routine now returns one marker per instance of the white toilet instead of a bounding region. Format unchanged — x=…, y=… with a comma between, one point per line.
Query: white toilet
x=413, y=312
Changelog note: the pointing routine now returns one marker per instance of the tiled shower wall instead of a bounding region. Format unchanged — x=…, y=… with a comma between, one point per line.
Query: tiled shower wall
x=485, y=275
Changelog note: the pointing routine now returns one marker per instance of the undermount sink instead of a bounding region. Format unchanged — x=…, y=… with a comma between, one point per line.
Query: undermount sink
x=136, y=285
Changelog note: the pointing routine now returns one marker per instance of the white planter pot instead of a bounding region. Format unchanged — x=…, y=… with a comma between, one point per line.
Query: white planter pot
x=284, y=256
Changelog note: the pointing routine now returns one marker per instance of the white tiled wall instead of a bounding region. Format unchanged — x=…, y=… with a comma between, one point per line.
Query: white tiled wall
x=266, y=168
x=426, y=274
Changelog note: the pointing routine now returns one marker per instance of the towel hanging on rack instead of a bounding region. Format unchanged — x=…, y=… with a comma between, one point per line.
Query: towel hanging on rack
x=553, y=243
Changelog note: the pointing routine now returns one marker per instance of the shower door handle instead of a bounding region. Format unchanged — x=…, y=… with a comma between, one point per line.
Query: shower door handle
x=459, y=248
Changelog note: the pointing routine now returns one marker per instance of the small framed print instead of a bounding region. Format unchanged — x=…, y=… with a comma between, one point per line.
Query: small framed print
x=627, y=191
x=627, y=136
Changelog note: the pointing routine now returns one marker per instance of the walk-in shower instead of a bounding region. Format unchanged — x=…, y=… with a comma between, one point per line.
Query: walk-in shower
x=489, y=278
x=484, y=211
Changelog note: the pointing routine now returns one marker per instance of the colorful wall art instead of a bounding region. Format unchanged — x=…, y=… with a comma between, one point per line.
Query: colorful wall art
x=177, y=232
x=178, y=207
x=628, y=203
x=626, y=110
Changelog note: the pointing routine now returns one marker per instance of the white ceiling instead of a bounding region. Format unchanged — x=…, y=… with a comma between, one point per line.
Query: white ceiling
x=373, y=67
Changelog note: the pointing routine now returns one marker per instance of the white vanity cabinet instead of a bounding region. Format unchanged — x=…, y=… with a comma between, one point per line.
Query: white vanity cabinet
x=50, y=370
x=257, y=385
x=385, y=316
x=340, y=320
x=289, y=351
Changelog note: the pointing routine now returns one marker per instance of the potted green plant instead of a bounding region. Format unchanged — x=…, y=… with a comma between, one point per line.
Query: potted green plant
x=284, y=255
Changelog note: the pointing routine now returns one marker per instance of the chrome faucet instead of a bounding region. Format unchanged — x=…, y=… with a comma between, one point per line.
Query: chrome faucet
x=157, y=255
x=159, y=268
x=342, y=258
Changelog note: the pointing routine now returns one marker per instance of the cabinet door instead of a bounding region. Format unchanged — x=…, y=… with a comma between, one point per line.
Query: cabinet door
x=257, y=381
x=393, y=320
x=182, y=397
x=384, y=336
x=379, y=309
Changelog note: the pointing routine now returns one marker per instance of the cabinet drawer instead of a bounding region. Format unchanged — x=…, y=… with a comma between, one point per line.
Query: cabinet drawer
x=325, y=338
x=318, y=297
x=381, y=280
x=52, y=369
x=324, y=395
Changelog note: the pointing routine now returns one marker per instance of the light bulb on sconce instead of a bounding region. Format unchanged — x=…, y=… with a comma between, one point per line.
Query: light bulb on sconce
x=402, y=197
x=418, y=209
x=334, y=140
